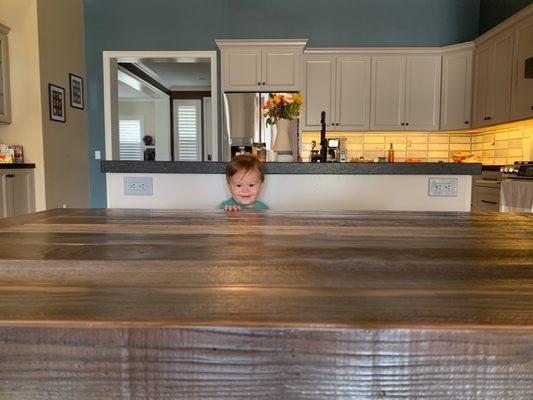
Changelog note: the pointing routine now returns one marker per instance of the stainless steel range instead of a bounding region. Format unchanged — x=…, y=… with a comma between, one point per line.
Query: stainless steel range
x=516, y=191
x=519, y=170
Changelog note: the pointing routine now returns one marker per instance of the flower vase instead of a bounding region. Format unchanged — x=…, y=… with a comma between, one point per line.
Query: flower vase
x=282, y=143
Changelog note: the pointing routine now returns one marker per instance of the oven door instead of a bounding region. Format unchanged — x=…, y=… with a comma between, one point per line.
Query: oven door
x=516, y=195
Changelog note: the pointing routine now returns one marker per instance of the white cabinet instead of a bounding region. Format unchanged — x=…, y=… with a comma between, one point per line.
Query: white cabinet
x=242, y=68
x=340, y=86
x=319, y=92
x=17, y=193
x=492, y=88
x=405, y=92
x=261, y=65
x=456, y=91
x=522, y=87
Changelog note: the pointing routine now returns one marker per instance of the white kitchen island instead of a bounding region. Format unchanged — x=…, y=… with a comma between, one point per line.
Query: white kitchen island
x=297, y=186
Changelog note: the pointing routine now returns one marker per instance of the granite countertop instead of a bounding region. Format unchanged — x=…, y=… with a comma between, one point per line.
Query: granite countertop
x=196, y=167
x=16, y=165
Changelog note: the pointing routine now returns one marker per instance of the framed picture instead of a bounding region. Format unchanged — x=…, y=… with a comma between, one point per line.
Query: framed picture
x=76, y=91
x=56, y=98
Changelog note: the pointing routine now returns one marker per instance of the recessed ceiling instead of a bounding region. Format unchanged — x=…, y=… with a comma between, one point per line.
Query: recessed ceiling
x=181, y=73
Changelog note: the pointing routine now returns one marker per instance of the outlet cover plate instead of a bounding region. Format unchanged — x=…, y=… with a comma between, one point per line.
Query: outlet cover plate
x=138, y=186
x=442, y=187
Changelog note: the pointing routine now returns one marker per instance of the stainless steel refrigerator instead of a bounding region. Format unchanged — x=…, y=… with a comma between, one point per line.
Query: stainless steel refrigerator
x=243, y=124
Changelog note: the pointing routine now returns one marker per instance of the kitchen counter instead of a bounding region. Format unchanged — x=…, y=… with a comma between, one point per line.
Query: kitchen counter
x=192, y=167
x=174, y=304
x=16, y=166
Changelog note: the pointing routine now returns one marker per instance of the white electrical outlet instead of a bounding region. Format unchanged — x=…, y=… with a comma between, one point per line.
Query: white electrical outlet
x=138, y=186
x=443, y=187
x=97, y=155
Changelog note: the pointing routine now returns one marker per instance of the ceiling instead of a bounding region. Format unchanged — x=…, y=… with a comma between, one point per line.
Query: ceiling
x=179, y=73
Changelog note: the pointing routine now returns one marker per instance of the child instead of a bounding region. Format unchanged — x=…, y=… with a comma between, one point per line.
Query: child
x=245, y=176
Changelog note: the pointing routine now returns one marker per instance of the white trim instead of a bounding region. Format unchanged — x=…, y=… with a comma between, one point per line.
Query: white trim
x=508, y=23
x=133, y=56
x=373, y=50
x=261, y=42
x=460, y=47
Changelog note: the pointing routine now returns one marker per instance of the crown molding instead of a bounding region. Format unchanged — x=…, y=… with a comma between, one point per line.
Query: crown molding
x=221, y=43
x=508, y=23
x=4, y=29
x=372, y=50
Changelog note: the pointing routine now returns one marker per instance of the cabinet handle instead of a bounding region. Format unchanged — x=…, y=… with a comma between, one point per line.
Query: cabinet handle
x=259, y=83
x=531, y=107
x=489, y=202
x=407, y=123
x=10, y=176
x=466, y=122
x=489, y=117
x=402, y=124
x=264, y=83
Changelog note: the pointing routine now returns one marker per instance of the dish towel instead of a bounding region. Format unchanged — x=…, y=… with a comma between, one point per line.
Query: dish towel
x=516, y=196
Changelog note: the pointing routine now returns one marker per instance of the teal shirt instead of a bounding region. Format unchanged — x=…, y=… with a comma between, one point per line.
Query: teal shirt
x=259, y=205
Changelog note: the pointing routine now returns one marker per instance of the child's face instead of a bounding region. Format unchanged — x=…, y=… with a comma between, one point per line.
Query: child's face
x=245, y=187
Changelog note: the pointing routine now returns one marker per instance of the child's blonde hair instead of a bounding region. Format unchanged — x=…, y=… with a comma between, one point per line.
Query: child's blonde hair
x=245, y=162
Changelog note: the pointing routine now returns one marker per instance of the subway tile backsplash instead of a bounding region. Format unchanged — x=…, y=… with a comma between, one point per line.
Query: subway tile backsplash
x=499, y=145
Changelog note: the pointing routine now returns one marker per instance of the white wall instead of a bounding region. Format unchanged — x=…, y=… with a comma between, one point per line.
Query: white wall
x=26, y=128
x=296, y=192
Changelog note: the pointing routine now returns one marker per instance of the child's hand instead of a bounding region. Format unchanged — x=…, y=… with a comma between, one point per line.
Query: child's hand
x=232, y=208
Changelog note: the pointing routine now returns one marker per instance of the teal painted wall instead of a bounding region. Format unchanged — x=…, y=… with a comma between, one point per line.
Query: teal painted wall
x=492, y=12
x=194, y=24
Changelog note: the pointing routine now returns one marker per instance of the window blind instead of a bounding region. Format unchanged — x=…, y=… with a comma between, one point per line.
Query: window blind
x=130, y=139
x=188, y=123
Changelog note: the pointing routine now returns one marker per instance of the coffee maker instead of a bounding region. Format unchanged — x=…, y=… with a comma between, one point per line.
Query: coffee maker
x=333, y=154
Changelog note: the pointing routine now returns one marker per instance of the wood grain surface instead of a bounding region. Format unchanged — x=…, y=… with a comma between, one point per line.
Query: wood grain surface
x=159, y=304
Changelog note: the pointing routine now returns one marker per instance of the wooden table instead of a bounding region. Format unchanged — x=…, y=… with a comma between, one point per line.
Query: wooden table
x=140, y=304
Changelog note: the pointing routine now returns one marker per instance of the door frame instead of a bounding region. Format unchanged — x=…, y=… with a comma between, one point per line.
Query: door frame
x=110, y=63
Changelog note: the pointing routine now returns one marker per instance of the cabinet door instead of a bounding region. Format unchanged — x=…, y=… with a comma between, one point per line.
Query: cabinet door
x=6, y=191
x=422, y=92
x=352, y=101
x=522, y=89
x=500, y=78
x=388, y=93
x=319, y=73
x=481, y=85
x=23, y=201
x=281, y=68
x=456, y=90
x=242, y=69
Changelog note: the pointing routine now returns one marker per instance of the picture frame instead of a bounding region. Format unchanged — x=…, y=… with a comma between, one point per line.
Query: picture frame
x=76, y=91
x=56, y=103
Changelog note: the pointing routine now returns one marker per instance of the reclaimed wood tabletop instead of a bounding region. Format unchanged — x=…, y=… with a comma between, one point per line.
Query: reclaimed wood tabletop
x=111, y=303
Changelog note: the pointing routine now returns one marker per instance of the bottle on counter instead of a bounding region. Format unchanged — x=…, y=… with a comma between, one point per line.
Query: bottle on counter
x=390, y=157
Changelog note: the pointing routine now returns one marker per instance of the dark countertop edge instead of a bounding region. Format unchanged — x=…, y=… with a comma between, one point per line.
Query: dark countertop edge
x=198, y=167
x=16, y=165
x=491, y=167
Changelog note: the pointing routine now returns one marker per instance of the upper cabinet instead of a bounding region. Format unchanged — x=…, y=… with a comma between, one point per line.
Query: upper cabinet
x=261, y=65
x=340, y=86
x=456, y=91
x=492, y=89
x=5, y=99
x=405, y=92
x=522, y=82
